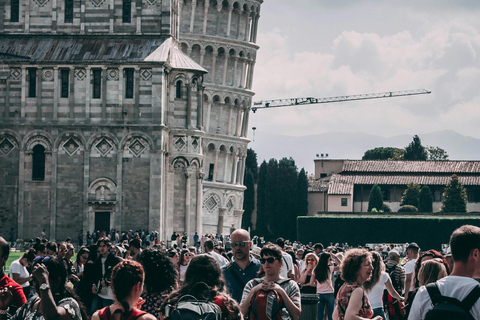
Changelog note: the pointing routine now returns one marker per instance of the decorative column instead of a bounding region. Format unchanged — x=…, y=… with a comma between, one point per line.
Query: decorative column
x=188, y=174
x=205, y=19
x=239, y=122
x=189, y=104
x=256, y=28
x=225, y=65
x=220, y=116
x=87, y=224
x=235, y=62
x=117, y=222
x=192, y=16
x=229, y=22
x=207, y=121
x=234, y=172
x=219, y=8
x=242, y=71
x=225, y=167
x=242, y=168
x=247, y=73
x=250, y=71
x=221, y=215
x=214, y=61
x=247, y=26
x=200, y=90
x=229, y=127
x=252, y=27
x=56, y=95
x=199, y=228
x=53, y=195
x=202, y=56
x=214, y=178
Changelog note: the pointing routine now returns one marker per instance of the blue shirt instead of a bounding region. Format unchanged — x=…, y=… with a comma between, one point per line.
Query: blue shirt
x=234, y=287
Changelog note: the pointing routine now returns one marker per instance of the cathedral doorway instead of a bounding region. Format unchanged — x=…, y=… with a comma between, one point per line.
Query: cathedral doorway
x=102, y=221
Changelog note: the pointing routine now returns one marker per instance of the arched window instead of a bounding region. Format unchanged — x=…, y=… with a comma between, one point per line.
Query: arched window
x=38, y=163
x=179, y=89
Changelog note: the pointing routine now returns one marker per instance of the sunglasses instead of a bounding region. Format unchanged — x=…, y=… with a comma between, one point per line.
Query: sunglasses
x=41, y=259
x=269, y=260
x=240, y=244
x=188, y=255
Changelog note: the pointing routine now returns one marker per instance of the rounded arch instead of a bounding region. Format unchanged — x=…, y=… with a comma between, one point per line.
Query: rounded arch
x=36, y=137
x=99, y=136
x=180, y=160
x=227, y=100
x=68, y=134
x=213, y=199
x=216, y=98
x=232, y=52
x=207, y=97
x=9, y=140
x=196, y=162
x=102, y=189
x=135, y=134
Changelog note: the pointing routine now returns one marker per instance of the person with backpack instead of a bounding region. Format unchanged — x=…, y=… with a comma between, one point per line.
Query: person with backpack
x=394, y=308
x=455, y=296
x=203, y=290
x=127, y=285
x=271, y=297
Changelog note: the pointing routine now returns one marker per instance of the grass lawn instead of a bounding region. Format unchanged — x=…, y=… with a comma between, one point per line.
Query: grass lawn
x=16, y=255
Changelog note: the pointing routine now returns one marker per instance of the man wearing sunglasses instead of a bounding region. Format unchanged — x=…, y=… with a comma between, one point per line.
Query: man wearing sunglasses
x=244, y=267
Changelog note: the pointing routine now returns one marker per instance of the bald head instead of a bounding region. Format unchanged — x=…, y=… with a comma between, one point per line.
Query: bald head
x=240, y=235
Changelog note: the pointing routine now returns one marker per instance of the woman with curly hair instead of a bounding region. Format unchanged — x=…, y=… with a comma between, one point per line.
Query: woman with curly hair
x=352, y=303
x=375, y=286
x=160, y=279
x=204, y=268
x=127, y=285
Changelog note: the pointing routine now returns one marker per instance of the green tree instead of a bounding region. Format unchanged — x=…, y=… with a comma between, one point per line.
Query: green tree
x=248, y=199
x=302, y=193
x=383, y=153
x=454, y=196
x=425, y=200
x=251, y=163
x=437, y=153
x=415, y=150
x=375, y=201
x=410, y=195
x=261, y=223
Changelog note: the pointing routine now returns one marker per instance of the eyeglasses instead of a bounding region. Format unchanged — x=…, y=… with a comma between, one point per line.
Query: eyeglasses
x=269, y=260
x=240, y=244
x=41, y=259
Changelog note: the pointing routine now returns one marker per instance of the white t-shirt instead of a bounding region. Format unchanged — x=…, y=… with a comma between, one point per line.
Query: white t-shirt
x=410, y=268
x=287, y=265
x=375, y=295
x=16, y=267
x=222, y=261
x=451, y=286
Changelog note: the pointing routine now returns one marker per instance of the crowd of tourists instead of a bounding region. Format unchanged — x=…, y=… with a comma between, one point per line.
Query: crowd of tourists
x=239, y=277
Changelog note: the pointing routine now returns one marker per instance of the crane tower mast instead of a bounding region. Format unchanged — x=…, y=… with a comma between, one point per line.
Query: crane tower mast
x=303, y=101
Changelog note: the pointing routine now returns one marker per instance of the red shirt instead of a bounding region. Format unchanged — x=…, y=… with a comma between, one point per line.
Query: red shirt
x=18, y=298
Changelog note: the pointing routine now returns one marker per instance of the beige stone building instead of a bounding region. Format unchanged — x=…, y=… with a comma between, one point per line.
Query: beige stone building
x=124, y=114
x=347, y=183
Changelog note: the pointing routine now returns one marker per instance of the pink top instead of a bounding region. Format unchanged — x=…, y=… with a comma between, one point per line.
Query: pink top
x=326, y=286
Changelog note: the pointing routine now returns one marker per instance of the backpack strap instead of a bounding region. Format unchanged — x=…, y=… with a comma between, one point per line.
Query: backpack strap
x=434, y=293
x=472, y=298
x=235, y=275
x=104, y=314
x=135, y=314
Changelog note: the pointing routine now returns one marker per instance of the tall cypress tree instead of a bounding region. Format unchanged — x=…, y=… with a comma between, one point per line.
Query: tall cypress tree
x=286, y=217
x=302, y=193
x=425, y=200
x=261, y=224
x=376, y=198
x=454, y=197
x=415, y=150
x=248, y=199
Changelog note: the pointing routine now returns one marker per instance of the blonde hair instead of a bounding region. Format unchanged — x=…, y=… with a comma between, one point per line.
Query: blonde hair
x=309, y=255
x=431, y=271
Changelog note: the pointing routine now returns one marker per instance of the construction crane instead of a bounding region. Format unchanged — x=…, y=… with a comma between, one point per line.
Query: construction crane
x=303, y=101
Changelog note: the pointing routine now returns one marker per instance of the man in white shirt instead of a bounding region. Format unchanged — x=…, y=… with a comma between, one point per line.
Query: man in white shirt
x=465, y=246
x=287, y=266
x=412, y=253
x=208, y=246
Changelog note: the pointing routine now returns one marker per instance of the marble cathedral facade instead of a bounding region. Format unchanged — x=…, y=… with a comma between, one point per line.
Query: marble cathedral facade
x=124, y=114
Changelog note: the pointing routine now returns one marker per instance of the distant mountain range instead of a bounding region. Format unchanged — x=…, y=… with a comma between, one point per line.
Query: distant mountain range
x=342, y=145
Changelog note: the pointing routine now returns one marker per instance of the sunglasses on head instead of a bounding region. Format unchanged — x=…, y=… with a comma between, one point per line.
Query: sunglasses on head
x=269, y=260
x=240, y=244
x=41, y=259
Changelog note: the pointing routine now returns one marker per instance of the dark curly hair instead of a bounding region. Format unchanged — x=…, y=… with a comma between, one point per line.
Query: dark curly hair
x=352, y=262
x=160, y=271
x=204, y=268
x=125, y=275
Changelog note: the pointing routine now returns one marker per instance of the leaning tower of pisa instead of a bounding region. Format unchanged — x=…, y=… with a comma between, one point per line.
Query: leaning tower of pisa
x=220, y=36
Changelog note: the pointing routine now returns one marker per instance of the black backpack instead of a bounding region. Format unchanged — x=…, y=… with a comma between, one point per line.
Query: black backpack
x=448, y=307
x=190, y=308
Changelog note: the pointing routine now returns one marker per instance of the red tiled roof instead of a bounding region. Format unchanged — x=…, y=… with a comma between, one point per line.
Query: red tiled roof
x=411, y=166
x=343, y=183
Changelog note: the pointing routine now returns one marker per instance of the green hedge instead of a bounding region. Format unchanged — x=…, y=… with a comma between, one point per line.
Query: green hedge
x=429, y=233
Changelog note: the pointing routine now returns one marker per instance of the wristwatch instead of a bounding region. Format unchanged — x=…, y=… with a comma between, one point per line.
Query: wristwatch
x=44, y=286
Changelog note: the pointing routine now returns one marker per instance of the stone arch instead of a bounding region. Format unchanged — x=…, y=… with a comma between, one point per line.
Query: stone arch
x=35, y=137
x=136, y=144
x=196, y=162
x=196, y=52
x=180, y=161
x=103, y=134
x=103, y=143
x=184, y=47
x=208, y=62
x=70, y=143
x=9, y=141
x=213, y=200
x=102, y=189
x=135, y=134
x=231, y=203
x=61, y=137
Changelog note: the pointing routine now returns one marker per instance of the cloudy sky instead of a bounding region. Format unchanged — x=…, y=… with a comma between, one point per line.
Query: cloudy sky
x=324, y=48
